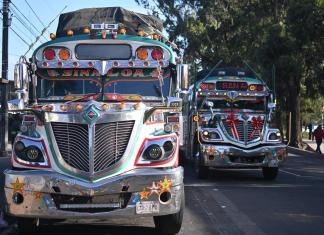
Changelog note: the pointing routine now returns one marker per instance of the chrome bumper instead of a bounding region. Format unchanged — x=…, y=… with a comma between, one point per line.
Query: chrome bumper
x=233, y=157
x=45, y=194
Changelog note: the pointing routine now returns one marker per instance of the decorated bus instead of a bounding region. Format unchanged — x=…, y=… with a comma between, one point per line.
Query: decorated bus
x=102, y=123
x=232, y=111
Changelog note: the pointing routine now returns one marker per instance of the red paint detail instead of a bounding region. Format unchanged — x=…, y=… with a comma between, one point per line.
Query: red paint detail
x=91, y=114
x=257, y=126
x=233, y=121
x=157, y=163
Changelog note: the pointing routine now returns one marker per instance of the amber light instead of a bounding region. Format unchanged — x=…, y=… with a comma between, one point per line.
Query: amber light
x=122, y=106
x=252, y=87
x=70, y=32
x=157, y=54
x=142, y=53
x=63, y=107
x=78, y=107
x=86, y=30
x=122, y=31
x=140, y=33
x=155, y=36
x=52, y=36
x=49, y=54
x=196, y=118
x=104, y=107
x=64, y=54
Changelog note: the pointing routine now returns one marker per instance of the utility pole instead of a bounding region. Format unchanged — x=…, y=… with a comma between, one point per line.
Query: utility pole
x=4, y=80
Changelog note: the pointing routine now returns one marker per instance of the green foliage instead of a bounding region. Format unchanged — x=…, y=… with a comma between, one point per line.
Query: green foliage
x=286, y=34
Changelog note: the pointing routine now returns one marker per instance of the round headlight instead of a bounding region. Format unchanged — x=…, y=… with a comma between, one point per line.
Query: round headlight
x=273, y=136
x=214, y=135
x=153, y=152
x=19, y=147
x=168, y=146
x=32, y=153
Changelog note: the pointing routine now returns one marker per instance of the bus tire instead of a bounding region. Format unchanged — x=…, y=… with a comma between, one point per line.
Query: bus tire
x=170, y=224
x=270, y=173
x=27, y=225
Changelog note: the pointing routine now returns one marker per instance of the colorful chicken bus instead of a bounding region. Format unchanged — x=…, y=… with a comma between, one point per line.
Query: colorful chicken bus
x=232, y=111
x=102, y=126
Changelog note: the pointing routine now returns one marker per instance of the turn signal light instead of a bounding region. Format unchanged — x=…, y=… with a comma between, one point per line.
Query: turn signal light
x=49, y=54
x=142, y=53
x=252, y=88
x=64, y=54
x=157, y=54
x=52, y=36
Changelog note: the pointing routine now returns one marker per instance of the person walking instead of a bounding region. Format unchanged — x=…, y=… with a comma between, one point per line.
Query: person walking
x=319, y=135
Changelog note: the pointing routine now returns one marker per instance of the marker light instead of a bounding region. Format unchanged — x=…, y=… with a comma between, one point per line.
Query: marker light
x=78, y=107
x=196, y=118
x=63, y=107
x=60, y=64
x=114, y=35
x=122, y=106
x=157, y=54
x=146, y=64
x=104, y=107
x=52, y=36
x=130, y=63
x=69, y=32
x=140, y=33
x=64, y=54
x=49, y=54
x=142, y=53
x=122, y=31
x=75, y=64
x=90, y=64
x=155, y=36
x=86, y=30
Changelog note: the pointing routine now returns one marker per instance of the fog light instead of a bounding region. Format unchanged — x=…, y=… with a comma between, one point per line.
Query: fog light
x=19, y=146
x=17, y=198
x=168, y=146
x=32, y=153
x=153, y=152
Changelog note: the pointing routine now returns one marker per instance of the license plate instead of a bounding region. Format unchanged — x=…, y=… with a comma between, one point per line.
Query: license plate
x=147, y=207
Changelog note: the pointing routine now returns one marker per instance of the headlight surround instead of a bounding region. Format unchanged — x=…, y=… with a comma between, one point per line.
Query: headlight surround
x=274, y=136
x=157, y=151
x=210, y=135
x=30, y=152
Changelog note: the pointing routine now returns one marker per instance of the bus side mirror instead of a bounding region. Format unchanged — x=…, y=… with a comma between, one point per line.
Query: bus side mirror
x=183, y=76
x=271, y=105
x=21, y=76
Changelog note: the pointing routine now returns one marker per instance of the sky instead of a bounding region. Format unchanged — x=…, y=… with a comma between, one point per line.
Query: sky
x=46, y=11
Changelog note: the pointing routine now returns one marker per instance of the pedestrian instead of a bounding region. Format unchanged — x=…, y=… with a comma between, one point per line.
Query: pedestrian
x=319, y=135
x=310, y=131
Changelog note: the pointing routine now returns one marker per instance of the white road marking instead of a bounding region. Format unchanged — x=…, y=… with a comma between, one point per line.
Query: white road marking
x=290, y=173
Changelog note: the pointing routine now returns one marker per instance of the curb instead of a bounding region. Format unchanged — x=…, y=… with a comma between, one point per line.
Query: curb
x=303, y=152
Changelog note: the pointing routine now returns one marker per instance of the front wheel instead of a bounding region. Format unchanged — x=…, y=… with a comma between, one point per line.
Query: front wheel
x=270, y=173
x=170, y=224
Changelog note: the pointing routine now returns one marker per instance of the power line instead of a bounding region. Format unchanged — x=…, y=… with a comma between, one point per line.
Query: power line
x=35, y=14
x=24, y=17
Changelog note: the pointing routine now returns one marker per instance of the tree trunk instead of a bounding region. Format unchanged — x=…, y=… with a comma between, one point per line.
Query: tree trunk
x=294, y=108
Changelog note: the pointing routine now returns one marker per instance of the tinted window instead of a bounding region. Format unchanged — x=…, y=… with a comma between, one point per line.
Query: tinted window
x=103, y=52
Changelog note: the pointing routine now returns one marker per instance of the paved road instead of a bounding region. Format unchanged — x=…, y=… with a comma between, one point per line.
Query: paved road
x=236, y=202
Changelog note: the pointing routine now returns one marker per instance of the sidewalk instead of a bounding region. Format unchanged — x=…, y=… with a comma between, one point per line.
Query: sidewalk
x=312, y=144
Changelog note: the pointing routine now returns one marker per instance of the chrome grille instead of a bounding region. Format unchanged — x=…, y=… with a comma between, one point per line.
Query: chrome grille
x=240, y=130
x=111, y=140
x=73, y=143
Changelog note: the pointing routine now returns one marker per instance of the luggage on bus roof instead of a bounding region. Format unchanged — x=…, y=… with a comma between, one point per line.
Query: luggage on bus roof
x=77, y=20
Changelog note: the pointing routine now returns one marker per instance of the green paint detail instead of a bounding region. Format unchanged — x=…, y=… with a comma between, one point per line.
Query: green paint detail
x=91, y=110
x=84, y=177
x=129, y=38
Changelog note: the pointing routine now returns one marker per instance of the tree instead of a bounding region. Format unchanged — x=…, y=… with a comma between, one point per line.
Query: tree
x=287, y=34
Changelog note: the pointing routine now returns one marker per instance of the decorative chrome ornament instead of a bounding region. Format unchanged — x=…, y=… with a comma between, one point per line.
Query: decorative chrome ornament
x=91, y=114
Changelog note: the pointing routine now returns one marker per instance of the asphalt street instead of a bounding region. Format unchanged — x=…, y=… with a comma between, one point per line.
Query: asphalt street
x=233, y=202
